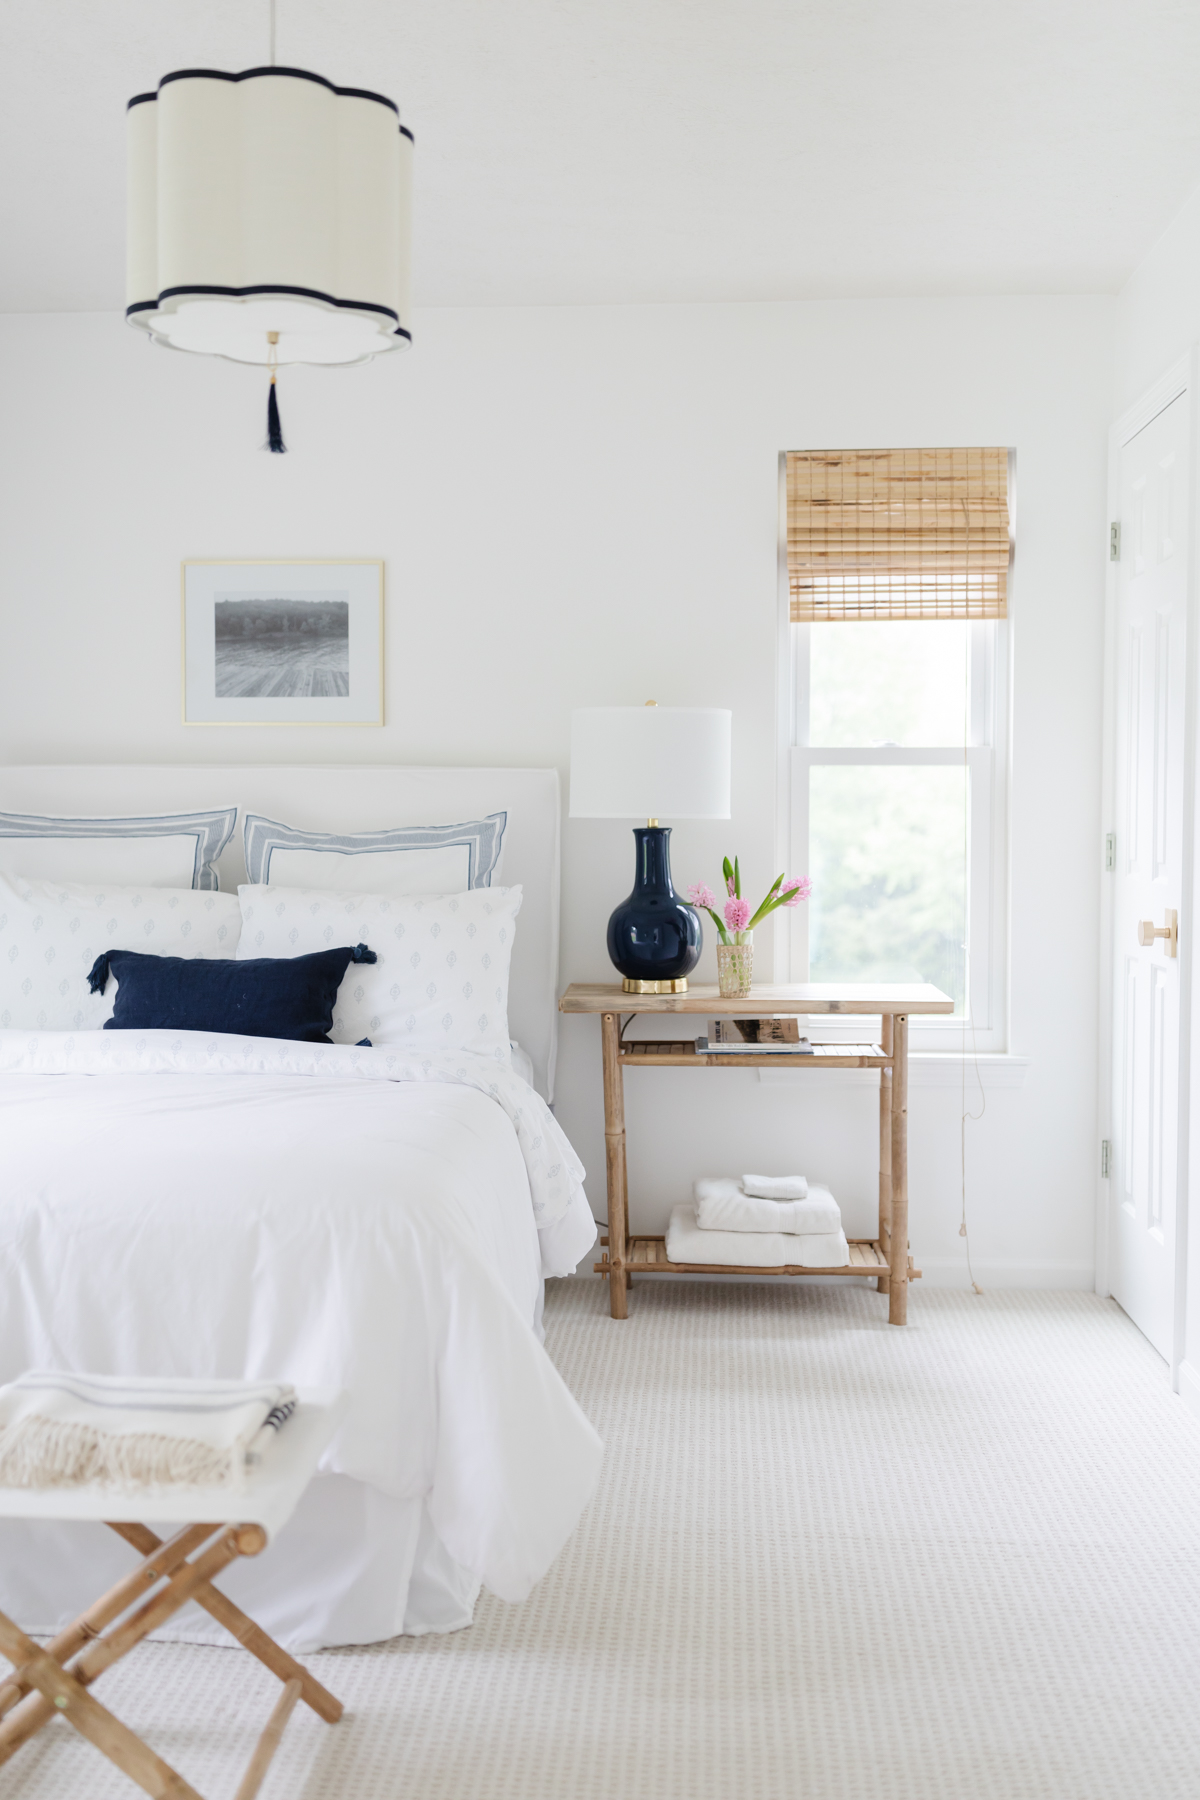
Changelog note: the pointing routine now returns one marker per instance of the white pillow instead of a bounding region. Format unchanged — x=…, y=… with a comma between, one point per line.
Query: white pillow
x=404, y=859
x=171, y=850
x=441, y=981
x=51, y=933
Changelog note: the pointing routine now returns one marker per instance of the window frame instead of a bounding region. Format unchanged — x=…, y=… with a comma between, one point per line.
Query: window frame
x=985, y=1029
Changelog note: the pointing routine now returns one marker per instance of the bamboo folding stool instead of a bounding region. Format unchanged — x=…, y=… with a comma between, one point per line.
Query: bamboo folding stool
x=884, y=1257
x=58, y=1677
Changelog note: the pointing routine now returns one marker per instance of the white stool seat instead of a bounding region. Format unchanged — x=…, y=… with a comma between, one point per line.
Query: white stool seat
x=268, y=1497
x=216, y=1526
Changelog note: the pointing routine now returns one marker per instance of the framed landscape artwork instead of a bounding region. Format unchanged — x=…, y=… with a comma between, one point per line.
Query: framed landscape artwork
x=283, y=643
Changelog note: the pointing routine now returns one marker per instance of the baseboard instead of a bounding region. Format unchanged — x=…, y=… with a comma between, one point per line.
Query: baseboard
x=951, y=1272
x=1189, y=1386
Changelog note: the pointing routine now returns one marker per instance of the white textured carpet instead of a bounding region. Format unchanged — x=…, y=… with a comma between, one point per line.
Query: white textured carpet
x=828, y=1559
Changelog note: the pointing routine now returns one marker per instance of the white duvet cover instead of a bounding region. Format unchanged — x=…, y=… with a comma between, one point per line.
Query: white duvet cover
x=177, y=1203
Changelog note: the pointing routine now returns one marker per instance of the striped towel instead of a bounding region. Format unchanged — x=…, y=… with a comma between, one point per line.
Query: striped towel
x=62, y=1430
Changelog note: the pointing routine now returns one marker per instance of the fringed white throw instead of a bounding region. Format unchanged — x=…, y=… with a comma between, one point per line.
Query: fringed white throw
x=62, y=1430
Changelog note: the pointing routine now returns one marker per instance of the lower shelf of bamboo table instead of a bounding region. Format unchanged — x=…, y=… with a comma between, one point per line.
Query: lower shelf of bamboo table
x=648, y=1256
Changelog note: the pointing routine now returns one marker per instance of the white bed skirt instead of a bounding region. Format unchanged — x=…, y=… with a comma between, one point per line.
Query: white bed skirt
x=374, y=1231
x=352, y=1566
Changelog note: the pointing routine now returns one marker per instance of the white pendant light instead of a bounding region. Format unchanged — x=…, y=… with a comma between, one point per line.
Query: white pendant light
x=269, y=217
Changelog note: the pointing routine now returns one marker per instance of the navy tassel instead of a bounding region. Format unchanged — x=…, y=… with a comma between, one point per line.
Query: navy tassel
x=364, y=1044
x=274, y=428
x=362, y=954
x=98, y=979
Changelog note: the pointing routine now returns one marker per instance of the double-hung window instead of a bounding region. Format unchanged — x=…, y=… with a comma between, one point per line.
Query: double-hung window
x=895, y=573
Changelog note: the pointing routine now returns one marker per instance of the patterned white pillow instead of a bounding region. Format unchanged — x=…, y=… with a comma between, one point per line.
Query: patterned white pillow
x=51, y=933
x=442, y=976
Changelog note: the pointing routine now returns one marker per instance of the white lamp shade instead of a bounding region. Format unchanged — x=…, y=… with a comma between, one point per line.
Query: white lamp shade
x=650, y=762
x=269, y=201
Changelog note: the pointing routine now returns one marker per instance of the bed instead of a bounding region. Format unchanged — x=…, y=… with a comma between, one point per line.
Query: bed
x=367, y=1217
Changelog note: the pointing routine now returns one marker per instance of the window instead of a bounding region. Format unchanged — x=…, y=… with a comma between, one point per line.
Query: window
x=894, y=571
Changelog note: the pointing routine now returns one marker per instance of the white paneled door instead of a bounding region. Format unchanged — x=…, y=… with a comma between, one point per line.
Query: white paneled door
x=1150, y=654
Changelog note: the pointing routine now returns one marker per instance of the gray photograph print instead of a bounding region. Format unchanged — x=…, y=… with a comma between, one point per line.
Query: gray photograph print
x=287, y=646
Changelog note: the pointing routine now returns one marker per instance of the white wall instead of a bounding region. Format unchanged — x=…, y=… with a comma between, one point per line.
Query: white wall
x=1158, y=311
x=1158, y=321
x=578, y=506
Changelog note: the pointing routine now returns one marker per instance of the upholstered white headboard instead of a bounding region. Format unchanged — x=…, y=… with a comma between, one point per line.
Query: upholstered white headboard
x=355, y=799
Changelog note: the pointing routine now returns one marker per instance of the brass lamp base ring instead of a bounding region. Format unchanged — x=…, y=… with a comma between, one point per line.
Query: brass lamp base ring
x=654, y=987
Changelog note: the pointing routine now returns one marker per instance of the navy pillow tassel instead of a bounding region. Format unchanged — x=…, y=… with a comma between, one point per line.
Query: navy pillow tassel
x=362, y=954
x=98, y=979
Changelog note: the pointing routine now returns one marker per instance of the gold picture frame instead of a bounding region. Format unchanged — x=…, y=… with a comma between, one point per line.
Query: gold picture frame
x=282, y=640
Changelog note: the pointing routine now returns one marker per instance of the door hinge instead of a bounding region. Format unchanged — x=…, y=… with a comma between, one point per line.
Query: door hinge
x=1105, y=1158
x=1114, y=541
x=1110, y=852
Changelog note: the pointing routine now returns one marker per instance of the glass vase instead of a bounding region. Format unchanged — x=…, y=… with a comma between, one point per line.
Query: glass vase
x=735, y=966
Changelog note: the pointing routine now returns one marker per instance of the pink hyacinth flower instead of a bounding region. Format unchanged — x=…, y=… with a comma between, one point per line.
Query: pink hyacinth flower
x=796, y=890
x=700, y=894
x=729, y=887
x=737, y=914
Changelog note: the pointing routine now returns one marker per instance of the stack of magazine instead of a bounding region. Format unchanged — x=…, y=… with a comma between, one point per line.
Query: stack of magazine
x=754, y=1037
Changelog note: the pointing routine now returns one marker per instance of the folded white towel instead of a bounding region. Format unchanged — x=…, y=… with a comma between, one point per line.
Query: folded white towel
x=775, y=1187
x=62, y=1430
x=721, y=1205
x=686, y=1243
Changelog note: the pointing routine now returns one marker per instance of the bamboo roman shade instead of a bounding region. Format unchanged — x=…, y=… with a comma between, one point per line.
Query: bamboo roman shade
x=897, y=534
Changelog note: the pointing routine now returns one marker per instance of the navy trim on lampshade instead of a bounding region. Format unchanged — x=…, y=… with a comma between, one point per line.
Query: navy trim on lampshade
x=270, y=287
x=654, y=935
x=140, y=306
x=288, y=997
x=268, y=69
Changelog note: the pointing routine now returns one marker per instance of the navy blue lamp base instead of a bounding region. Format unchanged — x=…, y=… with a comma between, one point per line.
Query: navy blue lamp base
x=654, y=937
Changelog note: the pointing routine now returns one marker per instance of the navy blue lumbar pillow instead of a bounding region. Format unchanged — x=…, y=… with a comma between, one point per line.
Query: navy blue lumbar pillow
x=268, y=996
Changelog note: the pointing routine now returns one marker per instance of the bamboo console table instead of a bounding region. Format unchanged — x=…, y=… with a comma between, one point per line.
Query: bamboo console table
x=884, y=1258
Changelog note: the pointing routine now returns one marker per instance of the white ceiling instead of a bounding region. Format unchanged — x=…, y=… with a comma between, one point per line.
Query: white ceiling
x=630, y=150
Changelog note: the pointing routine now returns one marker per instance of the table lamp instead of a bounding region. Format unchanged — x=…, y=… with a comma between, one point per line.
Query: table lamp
x=630, y=762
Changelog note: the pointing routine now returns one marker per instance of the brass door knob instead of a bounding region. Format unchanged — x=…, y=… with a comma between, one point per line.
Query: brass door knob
x=1148, y=931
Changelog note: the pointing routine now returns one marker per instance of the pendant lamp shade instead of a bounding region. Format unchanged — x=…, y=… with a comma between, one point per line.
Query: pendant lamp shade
x=269, y=202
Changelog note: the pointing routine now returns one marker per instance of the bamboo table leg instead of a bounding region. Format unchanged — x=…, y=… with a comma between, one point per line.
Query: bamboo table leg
x=118, y=1599
x=268, y=1743
x=30, y=1714
x=41, y=1686
x=898, y=1240
x=250, y=1635
x=614, y=1152
x=61, y=1691
x=886, y=1035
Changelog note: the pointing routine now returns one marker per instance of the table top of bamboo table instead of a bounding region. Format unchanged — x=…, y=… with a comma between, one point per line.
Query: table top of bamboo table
x=795, y=997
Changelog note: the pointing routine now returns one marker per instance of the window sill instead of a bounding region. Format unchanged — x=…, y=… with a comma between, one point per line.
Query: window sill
x=926, y=1069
